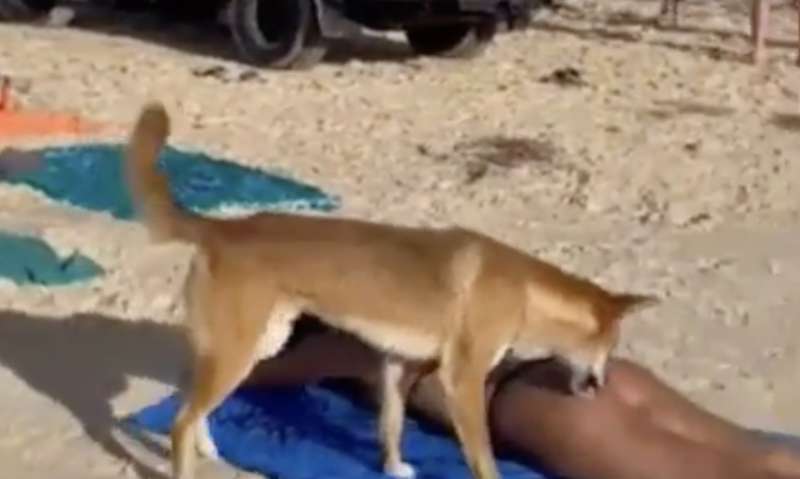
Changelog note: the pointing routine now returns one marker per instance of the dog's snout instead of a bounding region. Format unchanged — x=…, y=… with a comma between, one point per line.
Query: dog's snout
x=581, y=383
x=586, y=382
x=592, y=382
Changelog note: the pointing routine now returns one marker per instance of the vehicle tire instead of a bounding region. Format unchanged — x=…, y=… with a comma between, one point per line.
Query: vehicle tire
x=277, y=33
x=23, y=10
x=458, y=40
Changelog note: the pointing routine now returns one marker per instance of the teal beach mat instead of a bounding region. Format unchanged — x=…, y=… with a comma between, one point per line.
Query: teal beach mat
x=91, y=177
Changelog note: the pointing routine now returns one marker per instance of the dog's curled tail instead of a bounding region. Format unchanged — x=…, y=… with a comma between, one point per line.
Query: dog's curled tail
x=149, y=186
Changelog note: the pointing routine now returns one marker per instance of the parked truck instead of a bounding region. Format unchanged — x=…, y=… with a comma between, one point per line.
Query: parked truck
x=295, y=33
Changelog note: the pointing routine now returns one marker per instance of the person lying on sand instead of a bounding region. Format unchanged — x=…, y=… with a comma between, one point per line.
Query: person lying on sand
x=635, y=427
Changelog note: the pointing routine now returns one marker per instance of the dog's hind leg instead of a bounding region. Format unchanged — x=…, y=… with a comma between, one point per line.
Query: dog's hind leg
x=216, y=376
x=392, y=415
x=233, y=346
x=759, y=27
x=205, y=443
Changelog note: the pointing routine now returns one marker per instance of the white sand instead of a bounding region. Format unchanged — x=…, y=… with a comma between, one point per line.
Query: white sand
x=674, y=172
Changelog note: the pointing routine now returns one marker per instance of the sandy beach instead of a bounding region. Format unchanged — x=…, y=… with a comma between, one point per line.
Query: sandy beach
x=670, y=168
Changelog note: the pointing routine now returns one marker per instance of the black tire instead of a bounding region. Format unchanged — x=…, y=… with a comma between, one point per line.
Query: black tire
x=278, y=33
x=458, y=40
x=24, y=10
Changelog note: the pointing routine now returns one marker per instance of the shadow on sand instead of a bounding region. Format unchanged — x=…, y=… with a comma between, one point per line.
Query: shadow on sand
x=50, y=353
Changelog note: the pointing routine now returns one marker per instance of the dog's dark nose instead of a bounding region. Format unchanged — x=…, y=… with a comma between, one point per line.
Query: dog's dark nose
x=590, y=383
x=585, y=383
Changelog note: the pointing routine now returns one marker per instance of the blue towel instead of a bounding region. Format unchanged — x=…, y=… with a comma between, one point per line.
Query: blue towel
x=91, y=177
x=316, y=432
x=27, y=260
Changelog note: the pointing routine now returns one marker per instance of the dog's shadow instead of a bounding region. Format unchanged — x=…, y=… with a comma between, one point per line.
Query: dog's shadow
x=83, y=362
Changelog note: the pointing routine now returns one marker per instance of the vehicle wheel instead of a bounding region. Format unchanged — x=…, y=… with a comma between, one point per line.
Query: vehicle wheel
x=21, y=10
x=453, y=41
x=278, y=33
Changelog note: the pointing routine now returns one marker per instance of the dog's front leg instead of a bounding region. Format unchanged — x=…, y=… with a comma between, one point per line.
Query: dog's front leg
x=463, y=380
x=392, y=415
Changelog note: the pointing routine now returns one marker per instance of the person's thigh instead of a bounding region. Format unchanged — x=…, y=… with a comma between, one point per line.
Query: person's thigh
x=639, y=389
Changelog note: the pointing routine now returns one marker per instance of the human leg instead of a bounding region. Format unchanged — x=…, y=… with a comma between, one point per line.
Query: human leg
x=759, y=25
x=639, y=389
x=667, y=409
x=797, y=8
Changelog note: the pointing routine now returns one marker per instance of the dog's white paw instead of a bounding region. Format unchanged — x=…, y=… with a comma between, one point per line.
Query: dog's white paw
x=165, y=469
x=208, y=450
x=205, y=444
x=401, y=470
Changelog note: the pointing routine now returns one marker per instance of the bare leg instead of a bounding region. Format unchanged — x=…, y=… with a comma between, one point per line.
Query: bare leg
x=638, y=389
x=797, y=7
x=759, y=26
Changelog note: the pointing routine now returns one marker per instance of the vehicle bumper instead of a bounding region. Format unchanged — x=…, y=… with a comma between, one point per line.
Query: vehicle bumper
x=391, y=14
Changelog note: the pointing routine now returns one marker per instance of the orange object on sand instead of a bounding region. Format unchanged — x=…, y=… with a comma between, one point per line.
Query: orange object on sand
x=17, y=124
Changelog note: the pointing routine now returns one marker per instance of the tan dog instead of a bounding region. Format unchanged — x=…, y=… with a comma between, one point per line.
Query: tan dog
x=450, y=297
x=759, y=25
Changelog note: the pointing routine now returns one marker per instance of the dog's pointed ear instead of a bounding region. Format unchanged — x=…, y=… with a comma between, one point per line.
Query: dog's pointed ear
x=618, y=305
x=627, y=303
